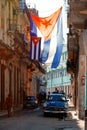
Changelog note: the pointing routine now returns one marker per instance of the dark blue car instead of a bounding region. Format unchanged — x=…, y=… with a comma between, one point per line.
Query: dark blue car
x=56, y=104
x=30, y=102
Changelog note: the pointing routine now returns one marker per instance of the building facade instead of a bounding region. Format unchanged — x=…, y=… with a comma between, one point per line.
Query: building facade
x=16, y=68
x=13, y=47
x=77, y=61
x=58, y=78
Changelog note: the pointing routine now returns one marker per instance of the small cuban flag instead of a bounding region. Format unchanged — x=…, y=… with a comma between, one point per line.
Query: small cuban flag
x=35, y=48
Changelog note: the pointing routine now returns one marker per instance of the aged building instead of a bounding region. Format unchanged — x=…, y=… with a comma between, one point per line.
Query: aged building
x=15, y=65
x=77, y=61
x=13, y=48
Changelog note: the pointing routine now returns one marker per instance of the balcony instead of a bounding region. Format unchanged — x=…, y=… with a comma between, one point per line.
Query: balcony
x=12, y=27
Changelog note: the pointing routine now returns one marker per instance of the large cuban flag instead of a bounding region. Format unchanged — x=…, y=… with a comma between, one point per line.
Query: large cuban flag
x=51, y=30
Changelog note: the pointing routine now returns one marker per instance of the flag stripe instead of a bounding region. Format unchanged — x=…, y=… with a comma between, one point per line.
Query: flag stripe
x=39, y=51
x=56, y=44
x=33, y=29
x=45, y=52
x=57, y=56
x=35, y=47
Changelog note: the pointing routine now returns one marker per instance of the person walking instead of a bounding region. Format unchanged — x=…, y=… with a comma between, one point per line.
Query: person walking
x=48, y=95
x=9, y=104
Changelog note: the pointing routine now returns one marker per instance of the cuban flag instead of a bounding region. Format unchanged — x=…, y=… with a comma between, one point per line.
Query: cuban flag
x=35, y=51
x=51, y=33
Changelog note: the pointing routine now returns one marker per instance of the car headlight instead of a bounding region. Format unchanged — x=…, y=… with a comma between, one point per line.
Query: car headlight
x=44, y=104
x=36, y=102
x=66, y=106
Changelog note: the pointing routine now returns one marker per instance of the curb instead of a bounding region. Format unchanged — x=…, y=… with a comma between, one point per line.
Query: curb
x=4, y=114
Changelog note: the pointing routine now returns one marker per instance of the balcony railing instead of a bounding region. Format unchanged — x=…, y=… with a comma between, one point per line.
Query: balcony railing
x=13, y=26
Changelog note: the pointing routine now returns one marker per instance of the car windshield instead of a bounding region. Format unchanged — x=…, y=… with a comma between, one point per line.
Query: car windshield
x=30, y=98
x=57, y=98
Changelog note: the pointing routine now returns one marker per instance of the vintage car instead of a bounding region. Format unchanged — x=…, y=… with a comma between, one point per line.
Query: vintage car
x=30, y=102
x=56, y=104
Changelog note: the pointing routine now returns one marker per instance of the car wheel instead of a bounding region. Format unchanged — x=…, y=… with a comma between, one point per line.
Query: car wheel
x=45, y=114
x=65, y=115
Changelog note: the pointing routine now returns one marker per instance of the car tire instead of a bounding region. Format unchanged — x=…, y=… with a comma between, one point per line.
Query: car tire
x=65, y=115
x=45, y=114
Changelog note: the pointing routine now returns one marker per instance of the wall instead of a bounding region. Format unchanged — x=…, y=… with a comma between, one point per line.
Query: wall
x=82, y=74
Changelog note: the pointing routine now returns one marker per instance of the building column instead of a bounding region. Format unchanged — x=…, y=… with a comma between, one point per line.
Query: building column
x=81, y=86
x=2, y=86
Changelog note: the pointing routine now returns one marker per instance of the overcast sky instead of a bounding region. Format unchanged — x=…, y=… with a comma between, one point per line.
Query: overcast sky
x=45, y=6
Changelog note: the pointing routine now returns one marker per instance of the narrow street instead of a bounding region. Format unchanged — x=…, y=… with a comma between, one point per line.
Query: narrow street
x=34, y=120
x=43, y=51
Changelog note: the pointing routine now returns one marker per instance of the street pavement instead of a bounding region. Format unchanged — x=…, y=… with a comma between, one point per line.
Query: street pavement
x=71, y=115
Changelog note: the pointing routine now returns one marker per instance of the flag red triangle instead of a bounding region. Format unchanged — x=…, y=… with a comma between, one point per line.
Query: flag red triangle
x=35, y=40
x=46, y=24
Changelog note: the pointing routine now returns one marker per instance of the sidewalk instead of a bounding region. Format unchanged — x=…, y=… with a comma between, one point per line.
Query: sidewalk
x=4, y=113
x=75, y=116
x=72, y=111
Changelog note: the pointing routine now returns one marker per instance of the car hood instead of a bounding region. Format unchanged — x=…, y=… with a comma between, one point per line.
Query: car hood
x=56, y=103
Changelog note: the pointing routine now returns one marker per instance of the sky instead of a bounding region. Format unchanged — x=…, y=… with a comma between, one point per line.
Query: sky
x=46, y=7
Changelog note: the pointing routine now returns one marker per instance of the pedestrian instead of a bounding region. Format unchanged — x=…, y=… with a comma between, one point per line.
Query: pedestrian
x=56, y=90
x=38, y=99
x=9, y=104
x=48, y=95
